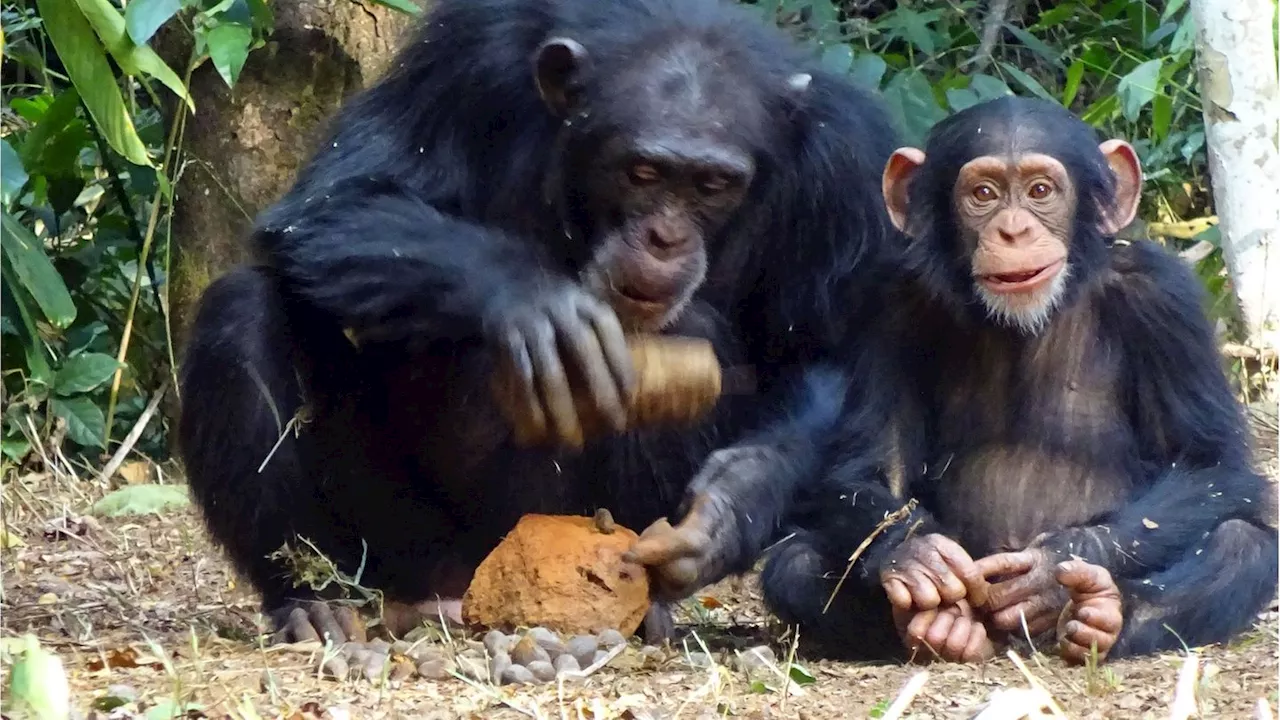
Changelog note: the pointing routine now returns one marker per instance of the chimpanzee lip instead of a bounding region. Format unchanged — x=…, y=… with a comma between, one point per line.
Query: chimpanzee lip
x=641, y=299
x=1022, y=280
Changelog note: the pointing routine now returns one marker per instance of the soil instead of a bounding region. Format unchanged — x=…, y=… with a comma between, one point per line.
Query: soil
x=148, y=606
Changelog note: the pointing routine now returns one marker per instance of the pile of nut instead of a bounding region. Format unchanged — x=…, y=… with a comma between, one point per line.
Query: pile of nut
x=539, y=655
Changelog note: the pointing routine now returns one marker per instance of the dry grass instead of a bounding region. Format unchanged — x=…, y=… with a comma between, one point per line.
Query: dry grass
x=149, y=603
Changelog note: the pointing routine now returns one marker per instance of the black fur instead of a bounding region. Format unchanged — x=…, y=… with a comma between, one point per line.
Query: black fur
x=1113, y=429
x=427, y=207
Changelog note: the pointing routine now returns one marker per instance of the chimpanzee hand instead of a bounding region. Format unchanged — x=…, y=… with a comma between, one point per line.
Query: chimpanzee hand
x=696, y=552
x=1094, y=616
x=532, y=336
x=1027, y=586
x=951, y=633
x=931, y=570
x=301, y=621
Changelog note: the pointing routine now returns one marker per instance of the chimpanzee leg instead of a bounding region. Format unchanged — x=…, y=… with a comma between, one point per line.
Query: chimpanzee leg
x=1212, y=594
x=799, y=578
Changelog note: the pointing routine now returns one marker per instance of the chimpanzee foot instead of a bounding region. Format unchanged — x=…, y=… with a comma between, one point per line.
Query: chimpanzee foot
x=1094, y=616
x=401, y=617
x=306, y=620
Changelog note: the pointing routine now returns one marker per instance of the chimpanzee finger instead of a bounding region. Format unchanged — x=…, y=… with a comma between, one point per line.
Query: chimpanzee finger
x=952, y=648
x=980, y=647
x=590, y=360
x=553, y=385
x=1039, y=612
x=532, y=421
x=1084, y=580
x=352, y=627
x=924, y=591
x=939, y=630
x=324, y=621
x=1006, y=564
x=918, y=627
x=660, y=543
x=296, y=628
x=965, y=571
x=1105, y=619
x=899, y=595
x=1080, y=639
x=613, y=343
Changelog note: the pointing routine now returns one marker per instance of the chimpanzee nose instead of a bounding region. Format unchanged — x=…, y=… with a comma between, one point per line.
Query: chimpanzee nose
x=1014, y=227
x=666, y=239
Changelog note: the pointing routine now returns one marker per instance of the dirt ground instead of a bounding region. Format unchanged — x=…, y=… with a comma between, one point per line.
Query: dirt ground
x=145, y=606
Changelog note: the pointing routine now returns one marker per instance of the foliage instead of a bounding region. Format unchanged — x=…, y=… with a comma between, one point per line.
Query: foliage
x=92, y=135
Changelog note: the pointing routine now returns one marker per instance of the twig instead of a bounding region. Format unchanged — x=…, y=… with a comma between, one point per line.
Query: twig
x=990, y=33
x=1035, y=683
x=1184, y=694
x=132, y=438
x=1245, y=352
x=892, y=518
x=906, y=696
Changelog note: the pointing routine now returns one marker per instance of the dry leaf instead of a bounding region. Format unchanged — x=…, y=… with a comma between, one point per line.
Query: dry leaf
x=47, y=599
x=710, y=603
x=127, y=657
x=135, y=472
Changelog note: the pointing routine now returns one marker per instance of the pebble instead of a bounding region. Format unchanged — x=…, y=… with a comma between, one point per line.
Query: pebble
x=473, y=668
x=566, y=664
x=336, y=667
x=498, y=664
x=401, y=671
x=611, y=639
x=549, y=641
x=379, y=645
x=528, y=650
x=543, y=671
x=583, y=649
x=517, y=674
x=496, y=642
x=437, y=669
x=599, y=656
x=373, y=666
x=403, y=647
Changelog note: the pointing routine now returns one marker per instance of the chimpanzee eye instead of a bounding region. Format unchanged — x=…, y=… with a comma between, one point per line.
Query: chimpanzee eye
x=712, y=184
x=1040, y=191
x=984, y=193
x=643, y=174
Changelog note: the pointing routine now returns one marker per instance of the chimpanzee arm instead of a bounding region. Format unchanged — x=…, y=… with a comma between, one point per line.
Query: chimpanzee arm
x=1190, y=430
x=386, y=264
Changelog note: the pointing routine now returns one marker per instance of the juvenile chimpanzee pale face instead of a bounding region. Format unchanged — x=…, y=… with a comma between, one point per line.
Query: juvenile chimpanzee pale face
x=661, y=158
x=1013, y=205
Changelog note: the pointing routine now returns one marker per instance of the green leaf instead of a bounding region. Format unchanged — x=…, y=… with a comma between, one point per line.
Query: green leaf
x=1035, y=45
x=141, y=500
x=1075, y=74
x=962, y=98
x=82, y=373
x=134, y=59
x=54, y=119
x=12, y=175
x=1160, y=33
x=910, y=98
x=403, y=6
x=38, y=685
x=228, y=48
x=1139, y=88
x=868, y=70
x=1161, y=116
x=86, y=424
x=838, y=58
x=32, y=345
x=16, y=449
x=1171, y=8
x=1055, y=16
x=1185, y=36
x=988, y=87
x=144, y=17
x=87, y=66
x=800, y=676
x=1192, y=145
x=1101, y=111
x=1027, y=82
x=36, y=273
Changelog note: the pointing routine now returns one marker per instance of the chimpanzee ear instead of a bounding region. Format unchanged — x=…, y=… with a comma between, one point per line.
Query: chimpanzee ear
x=898, y=171
x=558, y=67
x=1123, y=160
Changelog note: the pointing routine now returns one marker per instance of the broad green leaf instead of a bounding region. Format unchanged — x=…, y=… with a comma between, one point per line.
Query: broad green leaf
x=1185, y=36
x=133, y=59
x=82, y=373
x=1139, y=88
x=1026, y=81
x=228, y=47
x=1036, y=45
x=1171, y=8
x=800, y=676
x=87, y=66
x=1160, y=33
x=263, y=18
x=403, y=6
x=144, y=17
x=1161, y=116
x=38, y=685
x=86, y=424
x=961, y=98
x=911, y=99
x=25, y=255
x=868, y=70
x=1056, y=16
x=1075, y=74
x=838, y=58
x=55, y=118
x=12, y=175
x=916, y=27
x=988, y=87
x=16, y=449
x=141, y=500
x=1192, y=145
x=33, y=349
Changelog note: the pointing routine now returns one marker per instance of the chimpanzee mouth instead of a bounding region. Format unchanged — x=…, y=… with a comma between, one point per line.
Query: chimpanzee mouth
x=649, y=301
x=1022, y=280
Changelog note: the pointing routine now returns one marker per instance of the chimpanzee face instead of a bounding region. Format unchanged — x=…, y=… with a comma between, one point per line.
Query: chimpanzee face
x=663, y=157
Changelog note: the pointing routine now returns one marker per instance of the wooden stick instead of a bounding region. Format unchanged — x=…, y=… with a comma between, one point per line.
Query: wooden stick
x=132, y=438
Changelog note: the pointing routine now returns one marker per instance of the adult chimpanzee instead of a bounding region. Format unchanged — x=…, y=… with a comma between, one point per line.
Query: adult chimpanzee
x=1066, y=421
x=532, y=180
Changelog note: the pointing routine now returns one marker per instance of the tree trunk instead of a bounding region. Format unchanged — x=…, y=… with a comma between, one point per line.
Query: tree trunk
x=1236, y=54
x=244, y=145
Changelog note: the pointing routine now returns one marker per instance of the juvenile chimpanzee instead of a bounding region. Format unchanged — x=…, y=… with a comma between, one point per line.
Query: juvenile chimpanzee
x=531, y=181
x=1059, y=413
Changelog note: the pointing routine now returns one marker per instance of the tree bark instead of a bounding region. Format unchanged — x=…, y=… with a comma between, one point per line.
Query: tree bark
x=1236, y=58
x=243, y=146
